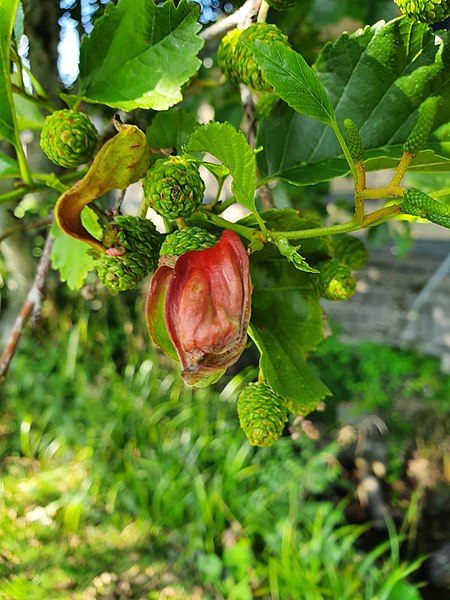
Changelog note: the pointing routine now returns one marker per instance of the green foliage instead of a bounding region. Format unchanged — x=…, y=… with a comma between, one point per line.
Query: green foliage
x=410, y=65
x=374, y=386
x=286, y=322
x=292, y=255
x=227, y=144
x=171, y=129
x=71, y=257
x=121, y=454
x=7, y=120
x=293, y=80
x=8, y=166
x=140, y=65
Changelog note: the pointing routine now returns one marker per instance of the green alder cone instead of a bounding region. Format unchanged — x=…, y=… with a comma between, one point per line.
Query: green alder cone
x=227, y=56
x=173, y=187
x=426, y=11
x=353, y=139
x=262, y=414
x=419, y=204
x=282, y=4
x=335, y=280
x=68, y=138
x=236, y=59
x=133, y=250
x=350, y=251
x=424, y=126
x=190, y=238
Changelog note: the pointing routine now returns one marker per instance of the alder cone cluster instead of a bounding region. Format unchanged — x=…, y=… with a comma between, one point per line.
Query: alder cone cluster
x=133, y=245
x=426, y=11
x=68, y=138
x=236, y=59
x=173, y=187
x=190, y=238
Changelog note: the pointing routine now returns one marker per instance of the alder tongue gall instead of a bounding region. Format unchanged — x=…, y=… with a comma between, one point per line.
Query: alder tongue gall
x=206, y=308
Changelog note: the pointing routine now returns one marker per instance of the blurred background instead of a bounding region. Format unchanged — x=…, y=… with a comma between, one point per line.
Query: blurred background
x=117, y=481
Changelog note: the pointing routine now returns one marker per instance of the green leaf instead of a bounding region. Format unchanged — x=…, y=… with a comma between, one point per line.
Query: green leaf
x=8, y=166
x=292, y=255
x=286, y=323
x=19, y=22
x=71, y=257
x=8, y=10
x=293, y=80
x=379, y=77
x=229, y=145
x=28, y=114
x=171, y=129
x=139, y=55
x=402, y=590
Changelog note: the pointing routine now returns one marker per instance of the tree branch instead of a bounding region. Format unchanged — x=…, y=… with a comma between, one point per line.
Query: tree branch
x=31, y=307
x=33, y=224
x=247, y=13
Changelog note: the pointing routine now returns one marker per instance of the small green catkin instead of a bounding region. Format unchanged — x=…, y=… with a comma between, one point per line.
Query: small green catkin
x=423, y=127
x=262, y=414
x=442, y=220
x=419, y=204
x=353, y=138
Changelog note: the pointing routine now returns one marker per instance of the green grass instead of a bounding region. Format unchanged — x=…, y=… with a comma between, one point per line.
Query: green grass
x=115, y=476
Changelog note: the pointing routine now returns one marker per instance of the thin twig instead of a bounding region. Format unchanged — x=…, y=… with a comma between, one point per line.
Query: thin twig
x=33, y=224
x=30, y=308
x=266, y=197
x=247, y=12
